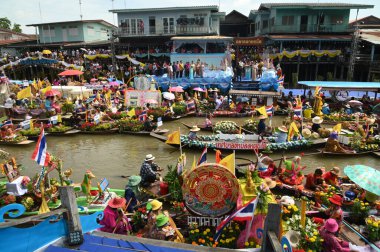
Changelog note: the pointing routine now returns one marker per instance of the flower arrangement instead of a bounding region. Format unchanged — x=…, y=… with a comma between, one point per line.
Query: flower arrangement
x=130, y=125
x=174, y=184
x=180, y=109
x=90, y=126
x=373, y=228
x=30, y=132
x=139, y=218
x=67, y=107
x=157, y=112
x=28, y=203
x=178, y=206
x=58, y=129
x=359, y=210
x=227, y=127
x=117, y=116
x=250, y=125
x=15, y=139
x=289, y=211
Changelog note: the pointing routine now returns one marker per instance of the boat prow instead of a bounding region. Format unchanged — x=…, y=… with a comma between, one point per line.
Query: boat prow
x=159, y=137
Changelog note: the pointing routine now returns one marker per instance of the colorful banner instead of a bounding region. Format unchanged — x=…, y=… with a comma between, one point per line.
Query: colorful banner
x=138, y=98
x=306, y=53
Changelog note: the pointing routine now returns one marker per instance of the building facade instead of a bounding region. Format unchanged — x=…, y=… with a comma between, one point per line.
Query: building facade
x=73, y=31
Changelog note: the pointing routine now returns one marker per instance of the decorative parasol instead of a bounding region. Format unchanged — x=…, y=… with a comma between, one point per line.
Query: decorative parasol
x=177, y=89
x=114, y=83
x=366, y=177
x=46, y=52
x=52, y=93
x=210, y=189
x=70, y=73
x=199, y=89
x=355, y=103
x=168, y=96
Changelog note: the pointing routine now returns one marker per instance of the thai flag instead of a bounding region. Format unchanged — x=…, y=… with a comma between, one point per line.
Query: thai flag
x=143, y=116
x=40, y=155
x=190, y=105
x=269, y=110
x=7, y=123
x=297, y=112
x=245, y=213
x=280, y=80
x=203, y=157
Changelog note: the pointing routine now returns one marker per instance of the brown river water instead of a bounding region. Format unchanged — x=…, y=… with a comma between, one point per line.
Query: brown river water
x=112, y=156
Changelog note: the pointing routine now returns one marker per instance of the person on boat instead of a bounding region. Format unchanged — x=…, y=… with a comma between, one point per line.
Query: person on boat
x=131, y=192
x=162, y=229
x=49, y=104
x=282, y=135
x=261, y=127
x=293, y=171
x=193, y=132
x=333, y=145
x=149, y=125
x=154, y=208
x=208, y=123
x=313, y=180
x=149, y=171
x=330, y=241
x=348, y=109
x=334, y=211
x=331, y=177
x=316, y=124
x=270, y=170
x=325, y=109
x=114, y=220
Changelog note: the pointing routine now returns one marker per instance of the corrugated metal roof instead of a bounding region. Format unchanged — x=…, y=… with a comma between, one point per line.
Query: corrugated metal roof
x=76, y=21
x=371, y=35
x=205, y=7
x=316, y=5
x=309, y=37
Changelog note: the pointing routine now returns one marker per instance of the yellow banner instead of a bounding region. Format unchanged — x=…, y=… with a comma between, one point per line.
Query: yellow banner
x=25, y=93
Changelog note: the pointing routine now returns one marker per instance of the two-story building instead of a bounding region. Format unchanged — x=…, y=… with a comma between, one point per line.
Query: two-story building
x=310, y=40
x=79, y=32
x=149, y=31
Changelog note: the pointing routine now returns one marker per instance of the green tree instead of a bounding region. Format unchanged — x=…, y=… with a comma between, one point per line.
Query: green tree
x=5, y=23
x=16, y=28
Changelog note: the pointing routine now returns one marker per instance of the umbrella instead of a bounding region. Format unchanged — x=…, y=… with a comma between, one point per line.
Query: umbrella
x=114, y=83
x=70, y=72
x=242, y=99
x=178, y=89
x=198, y=89
x=52, y=93
x=365, y=176
x=152, y=101
x=46, y=52
x=355, y=103
x=168, y=96
x=93, y=79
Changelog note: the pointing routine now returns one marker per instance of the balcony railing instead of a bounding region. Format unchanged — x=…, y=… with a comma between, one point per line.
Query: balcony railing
x=297, y=28
x=167, y=30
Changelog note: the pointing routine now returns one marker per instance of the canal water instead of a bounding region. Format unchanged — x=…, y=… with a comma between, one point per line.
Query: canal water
x=112, y=156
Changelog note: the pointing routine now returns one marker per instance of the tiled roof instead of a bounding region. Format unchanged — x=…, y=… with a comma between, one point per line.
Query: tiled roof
x=316, y=5
x=205, y=7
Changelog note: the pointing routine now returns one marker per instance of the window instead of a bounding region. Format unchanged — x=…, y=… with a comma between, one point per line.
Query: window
x=152, y=25
x=287, y=20
x=132, y=26
x=140, y=26
x=48, y=31
x=168, y=24
x=258, y=26
x=265, y=24
x=337, y=20
x=73, y=31
x=90, y=30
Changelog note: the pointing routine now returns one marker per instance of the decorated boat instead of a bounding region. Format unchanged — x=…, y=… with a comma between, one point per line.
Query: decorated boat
x=61, y=131
x=18, y=140
x=238, y=142
x=99, y=129
x=145, y=133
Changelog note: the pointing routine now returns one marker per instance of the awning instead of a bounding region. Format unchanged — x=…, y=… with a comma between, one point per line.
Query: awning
x=189, y=38
x=346, y=85
x=309, y=37
x=372, y=36
x=254, y=93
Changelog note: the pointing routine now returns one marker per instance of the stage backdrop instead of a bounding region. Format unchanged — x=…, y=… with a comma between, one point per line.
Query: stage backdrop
x=139, y=98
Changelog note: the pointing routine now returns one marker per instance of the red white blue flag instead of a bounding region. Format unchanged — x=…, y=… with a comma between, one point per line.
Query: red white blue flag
x=245, y=213
x=269, y=110
x=203, y=157
x=143, y=116
x=280, y=80
x=297, y=113
x=40, y=155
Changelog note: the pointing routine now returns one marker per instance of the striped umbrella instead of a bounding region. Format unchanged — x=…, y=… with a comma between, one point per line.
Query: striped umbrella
x=366, y=177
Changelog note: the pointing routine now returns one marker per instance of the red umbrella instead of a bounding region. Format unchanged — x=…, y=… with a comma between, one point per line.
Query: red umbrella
x=178, y=89
x=52, y=93
x=70, y=73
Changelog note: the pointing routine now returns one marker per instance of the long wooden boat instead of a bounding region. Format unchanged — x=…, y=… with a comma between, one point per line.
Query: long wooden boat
x=243, y=145
x=210, y=129
x=174, y=118
x=103, y=132
x=145, y=133
x=323, y=152
x=16, y=143
x=376, y=154
x=70, y=131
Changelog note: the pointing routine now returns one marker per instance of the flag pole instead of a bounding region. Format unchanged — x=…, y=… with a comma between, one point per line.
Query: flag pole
x=250, y=223
x=180, y=142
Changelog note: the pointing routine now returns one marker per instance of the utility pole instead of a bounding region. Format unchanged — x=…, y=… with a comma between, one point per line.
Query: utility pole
x=80, y=9
x=112, y=37
x=354, y=49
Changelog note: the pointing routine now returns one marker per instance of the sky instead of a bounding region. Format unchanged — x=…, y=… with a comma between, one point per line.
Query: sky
x=42, y=11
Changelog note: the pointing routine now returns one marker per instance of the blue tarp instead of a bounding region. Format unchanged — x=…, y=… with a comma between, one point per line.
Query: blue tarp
x=341, y=84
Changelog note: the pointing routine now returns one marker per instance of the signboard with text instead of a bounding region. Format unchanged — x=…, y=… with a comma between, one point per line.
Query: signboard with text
x=240, y=146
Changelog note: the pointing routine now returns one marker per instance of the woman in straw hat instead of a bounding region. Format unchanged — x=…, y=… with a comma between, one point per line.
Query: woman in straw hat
x=316, y=124
x=331, y=177
x=193, y=132
x=261, y=127
x=282, y=134
x=114, y=220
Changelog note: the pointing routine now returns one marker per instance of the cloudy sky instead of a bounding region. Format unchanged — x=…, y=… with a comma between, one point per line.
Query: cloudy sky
x=36, y=11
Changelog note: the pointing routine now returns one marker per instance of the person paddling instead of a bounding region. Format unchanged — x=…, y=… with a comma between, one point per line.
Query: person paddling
x=149, y=171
